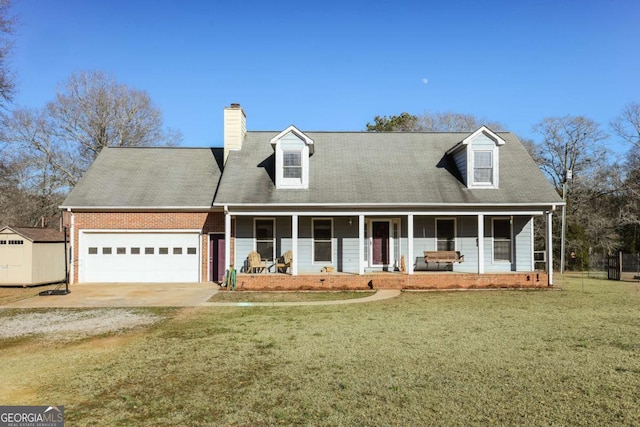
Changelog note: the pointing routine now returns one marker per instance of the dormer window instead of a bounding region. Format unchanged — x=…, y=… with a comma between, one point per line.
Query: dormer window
x=482, y=167
x=292, y=149
x=478, y=158
x=292, y=165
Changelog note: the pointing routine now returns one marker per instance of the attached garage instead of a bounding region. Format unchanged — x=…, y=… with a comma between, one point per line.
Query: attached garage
x=139, y=256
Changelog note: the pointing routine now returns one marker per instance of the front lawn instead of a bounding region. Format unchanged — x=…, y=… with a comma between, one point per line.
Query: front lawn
x=275, y=296
x=569, y=357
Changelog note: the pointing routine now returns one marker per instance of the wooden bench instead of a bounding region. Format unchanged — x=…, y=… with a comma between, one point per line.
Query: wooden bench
x=448, y=257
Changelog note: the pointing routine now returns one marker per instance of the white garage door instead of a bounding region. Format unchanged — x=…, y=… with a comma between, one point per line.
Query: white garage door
x=139, y=257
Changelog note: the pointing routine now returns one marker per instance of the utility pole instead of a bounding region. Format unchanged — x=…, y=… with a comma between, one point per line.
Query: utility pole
x=568, y=174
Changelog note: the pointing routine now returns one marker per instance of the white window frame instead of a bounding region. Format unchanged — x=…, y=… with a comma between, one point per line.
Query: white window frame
x=294, y=180
x=255, y=234
x=493, y=241
x=313, y=241
x=455, y=231
x=306, y=149
x=473, y=169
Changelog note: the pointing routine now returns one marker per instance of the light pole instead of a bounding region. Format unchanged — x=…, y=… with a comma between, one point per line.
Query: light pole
x=568, y=174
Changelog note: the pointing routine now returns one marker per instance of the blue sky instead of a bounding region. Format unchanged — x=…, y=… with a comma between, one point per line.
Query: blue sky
x=334, y=65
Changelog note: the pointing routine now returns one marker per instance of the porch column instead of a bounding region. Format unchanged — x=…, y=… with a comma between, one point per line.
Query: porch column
x=227, y=239
x=294, y=244
x=409, y=261
x=480, y=244
x=360, y=244
x=549, y=247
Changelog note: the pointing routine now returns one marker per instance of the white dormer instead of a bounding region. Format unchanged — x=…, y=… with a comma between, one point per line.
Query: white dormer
x=478, y=158
x=293, y=149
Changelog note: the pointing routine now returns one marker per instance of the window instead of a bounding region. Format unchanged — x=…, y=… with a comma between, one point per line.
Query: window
x=121, y=251
x=502, y=239
x=322, y=234
x=265, y=234
x=177, y=251
x=292, y=152
x=135, y=251
x=483, y=167
x=191, y=251
x=106, y=251
x=93, y=251
x=163, y=251
x=3, y=242
x=149, y=251
x=292, y=164
x=16, y=242
x=446, y=234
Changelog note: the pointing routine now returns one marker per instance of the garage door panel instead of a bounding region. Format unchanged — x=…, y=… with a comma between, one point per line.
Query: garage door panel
x=140, y=257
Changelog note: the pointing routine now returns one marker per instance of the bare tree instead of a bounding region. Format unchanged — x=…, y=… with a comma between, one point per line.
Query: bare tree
x=454, y=122
x=91, y=111
x=431, y=122
x=569, y=143
x=7, y=82
x=45, y=151
x=627, y=124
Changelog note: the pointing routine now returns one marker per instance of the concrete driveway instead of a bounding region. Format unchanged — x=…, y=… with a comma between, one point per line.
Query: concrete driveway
x=124, y=295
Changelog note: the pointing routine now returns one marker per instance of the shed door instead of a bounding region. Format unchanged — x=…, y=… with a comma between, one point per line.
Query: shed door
x=13, y=268
x=140, y=257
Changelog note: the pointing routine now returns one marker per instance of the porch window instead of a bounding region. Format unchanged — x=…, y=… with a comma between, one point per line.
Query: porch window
x=264, y=232
x=483, y=167
x=322, y=245
x=502, y=239
x=446, y=234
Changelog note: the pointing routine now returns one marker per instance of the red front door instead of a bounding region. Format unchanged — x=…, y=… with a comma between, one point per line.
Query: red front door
x=380, y=245
x=216, y=257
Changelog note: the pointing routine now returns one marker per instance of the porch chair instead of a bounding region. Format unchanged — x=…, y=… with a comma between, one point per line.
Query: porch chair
x=255, y=263
x=284, y=262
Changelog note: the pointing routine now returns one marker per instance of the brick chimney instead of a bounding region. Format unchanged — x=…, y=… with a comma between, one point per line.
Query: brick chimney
x=235, y=128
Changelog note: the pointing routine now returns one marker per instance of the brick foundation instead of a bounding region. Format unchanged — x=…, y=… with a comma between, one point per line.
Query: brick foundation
x=337, y=281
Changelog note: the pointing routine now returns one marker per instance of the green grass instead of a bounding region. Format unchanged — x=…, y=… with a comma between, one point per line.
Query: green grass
x=248, y=296
x=569, y=357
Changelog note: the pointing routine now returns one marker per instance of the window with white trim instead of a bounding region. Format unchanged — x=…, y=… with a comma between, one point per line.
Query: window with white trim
x=265, y=238
x=483, y=167
x=445, y=234
x=292, y=164
x=292, y=150
x=502, y=239
x=322, y=240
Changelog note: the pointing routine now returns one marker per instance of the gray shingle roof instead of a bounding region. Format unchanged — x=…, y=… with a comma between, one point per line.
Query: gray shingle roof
x=380, y=168
x=149, y=177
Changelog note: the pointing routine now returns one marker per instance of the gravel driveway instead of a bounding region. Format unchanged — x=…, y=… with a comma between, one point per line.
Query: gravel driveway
x=67, y=324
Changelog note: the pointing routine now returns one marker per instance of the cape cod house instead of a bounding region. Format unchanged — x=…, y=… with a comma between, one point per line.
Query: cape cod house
x=294, y=209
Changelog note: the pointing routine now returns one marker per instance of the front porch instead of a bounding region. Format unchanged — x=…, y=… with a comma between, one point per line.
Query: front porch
x=387, y=280
x=348, y=250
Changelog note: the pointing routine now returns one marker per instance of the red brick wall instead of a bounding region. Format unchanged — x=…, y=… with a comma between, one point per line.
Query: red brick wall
x=447, y=280
x=208, y=222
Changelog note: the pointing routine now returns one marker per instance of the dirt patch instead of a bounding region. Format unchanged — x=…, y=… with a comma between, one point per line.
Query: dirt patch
x=73, y=324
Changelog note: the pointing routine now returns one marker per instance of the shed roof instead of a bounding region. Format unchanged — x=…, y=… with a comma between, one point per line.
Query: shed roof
x=37, y=235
